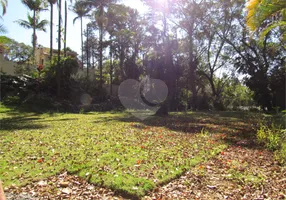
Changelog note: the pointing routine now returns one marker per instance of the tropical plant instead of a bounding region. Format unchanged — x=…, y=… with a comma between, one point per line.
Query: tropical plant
x=58, y=76
x=35, y=6
x=4, y=7
x=35, y=24
x=51, y=2
x=4, y=4
x=266, y=14
x=66, y=25
x=81, y=11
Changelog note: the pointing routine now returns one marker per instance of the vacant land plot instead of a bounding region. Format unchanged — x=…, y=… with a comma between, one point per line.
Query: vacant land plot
x=119, y=152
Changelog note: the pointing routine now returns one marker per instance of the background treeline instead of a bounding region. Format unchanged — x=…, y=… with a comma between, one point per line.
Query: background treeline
x=202, y=49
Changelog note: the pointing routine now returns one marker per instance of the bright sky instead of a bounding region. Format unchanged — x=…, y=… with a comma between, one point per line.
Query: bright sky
x=16, y=10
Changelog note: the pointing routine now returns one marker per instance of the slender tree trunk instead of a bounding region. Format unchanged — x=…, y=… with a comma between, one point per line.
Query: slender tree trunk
x=111, y=67
x=100, y=46
x=58, y=76
x=51, y=35
x=87, y=51
x=193, y=68
x=34, y=34
x=65, y=36
x=81, y=41
x=164, y=109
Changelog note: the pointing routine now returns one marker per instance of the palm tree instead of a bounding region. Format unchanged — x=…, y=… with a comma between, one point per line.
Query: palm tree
x=33, y=24
x=99, y=5
x=66, y=24
x=4, y=4
x=35, y=6
x=58, y=76
x=51, y=2
x=81, y=11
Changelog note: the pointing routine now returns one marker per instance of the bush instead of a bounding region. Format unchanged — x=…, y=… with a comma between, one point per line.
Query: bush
x=274, y=138
x=281, y=154
x=270, y=136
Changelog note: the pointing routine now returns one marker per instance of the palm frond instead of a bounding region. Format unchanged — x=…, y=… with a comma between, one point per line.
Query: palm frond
x=4, y=4
x=42, y=25
x=74, y=20
x=24, y=23
x=3, y=29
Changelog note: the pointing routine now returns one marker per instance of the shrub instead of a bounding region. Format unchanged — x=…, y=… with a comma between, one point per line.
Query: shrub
x=274, y=138
x=270, y=136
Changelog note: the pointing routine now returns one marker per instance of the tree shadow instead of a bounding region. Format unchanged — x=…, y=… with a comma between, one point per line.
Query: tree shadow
x=237, y=129
x=20, y=123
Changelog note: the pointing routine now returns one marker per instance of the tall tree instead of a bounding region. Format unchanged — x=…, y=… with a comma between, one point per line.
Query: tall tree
x=160, y=14
x=51, y=2
x=66, y=26
x=124, y=30
x=259, y=62
x=35, y=24
x=35, y=6
x=100, y=6
x=81, y=11
x=58, y=75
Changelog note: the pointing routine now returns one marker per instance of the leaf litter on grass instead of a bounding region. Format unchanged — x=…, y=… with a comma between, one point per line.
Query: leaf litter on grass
x=127, y=156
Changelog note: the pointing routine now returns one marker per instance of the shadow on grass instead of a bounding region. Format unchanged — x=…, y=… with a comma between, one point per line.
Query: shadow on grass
x=20, y=123
x=236, y=128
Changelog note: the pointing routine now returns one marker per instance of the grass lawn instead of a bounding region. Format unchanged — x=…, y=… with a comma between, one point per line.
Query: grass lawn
x=113, y=150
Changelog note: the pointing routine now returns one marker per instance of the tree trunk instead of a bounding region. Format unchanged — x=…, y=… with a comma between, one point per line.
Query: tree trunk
x=164, y=109
x=34, y=35
x=193, y=68
x=81, y=41
x=87, y=51
x=58, y=76
x=51, y=35
x=65, y=36
x=100, y=46
x=111, y=67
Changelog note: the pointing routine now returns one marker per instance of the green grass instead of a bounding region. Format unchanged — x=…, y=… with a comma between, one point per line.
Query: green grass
x=109, y=149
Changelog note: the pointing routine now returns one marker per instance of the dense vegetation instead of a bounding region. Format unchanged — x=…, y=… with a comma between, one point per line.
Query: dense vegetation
x=202, y=50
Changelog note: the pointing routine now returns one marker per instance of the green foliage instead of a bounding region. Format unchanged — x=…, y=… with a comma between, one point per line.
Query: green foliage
x=67, y=66
x=280, y=155
x=5, y=40
x=274, y=138
x=261, y=12
x=270, y=136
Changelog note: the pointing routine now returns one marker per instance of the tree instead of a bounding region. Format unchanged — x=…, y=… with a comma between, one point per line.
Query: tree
x=164, y=49
x=216, y=26
x=33, y=23
x=258, y=62
x=52, y=2
x=58, y=75
x=125, y=33
x=191, y=15
x=66, y=26
x=81, y=11
x=35, y=6
x=17, y=52
x=100, y=6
